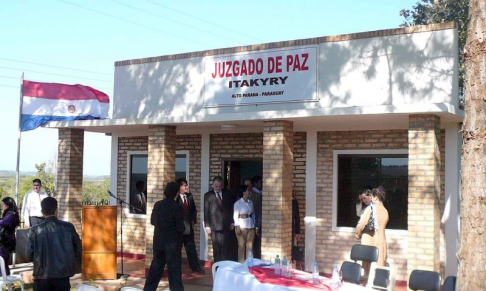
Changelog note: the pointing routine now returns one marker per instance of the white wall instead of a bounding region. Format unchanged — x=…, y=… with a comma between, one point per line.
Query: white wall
x=397, y=70
x=403, y=69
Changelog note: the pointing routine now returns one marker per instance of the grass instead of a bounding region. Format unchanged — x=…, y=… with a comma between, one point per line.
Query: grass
x=28, y=287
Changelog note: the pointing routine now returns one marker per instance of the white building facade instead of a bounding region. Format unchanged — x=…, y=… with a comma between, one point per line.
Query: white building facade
x=321, y=118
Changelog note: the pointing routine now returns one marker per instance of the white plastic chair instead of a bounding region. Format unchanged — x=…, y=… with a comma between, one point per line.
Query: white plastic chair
x=221, y=264
x=10, y=279
x=86, y=287
x=130, y=289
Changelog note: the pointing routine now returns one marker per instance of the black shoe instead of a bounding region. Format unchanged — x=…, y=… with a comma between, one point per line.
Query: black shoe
x=199, y=271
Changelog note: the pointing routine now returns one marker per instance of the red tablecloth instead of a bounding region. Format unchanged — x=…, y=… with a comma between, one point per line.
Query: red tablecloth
x=267, y=275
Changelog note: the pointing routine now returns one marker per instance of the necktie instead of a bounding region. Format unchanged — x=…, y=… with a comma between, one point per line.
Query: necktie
x=185, y=201
x=219, y=198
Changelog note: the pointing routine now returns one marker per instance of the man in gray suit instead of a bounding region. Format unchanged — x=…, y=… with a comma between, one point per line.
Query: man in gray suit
x=218, y=219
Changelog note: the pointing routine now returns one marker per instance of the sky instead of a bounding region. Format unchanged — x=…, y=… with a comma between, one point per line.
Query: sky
x=78, y=42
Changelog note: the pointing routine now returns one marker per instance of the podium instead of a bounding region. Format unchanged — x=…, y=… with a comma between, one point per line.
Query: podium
x=99, y=242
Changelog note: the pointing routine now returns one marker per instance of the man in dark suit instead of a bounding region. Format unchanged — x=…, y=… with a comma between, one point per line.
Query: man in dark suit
x=139, y=198
x=190, y=219
x=218, y=219
x=256, y=198
x=168, y=219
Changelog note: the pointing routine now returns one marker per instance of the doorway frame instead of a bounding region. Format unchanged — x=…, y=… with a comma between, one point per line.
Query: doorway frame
x=239, y=159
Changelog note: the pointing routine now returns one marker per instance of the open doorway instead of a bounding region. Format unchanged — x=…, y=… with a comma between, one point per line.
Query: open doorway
x=237, y=170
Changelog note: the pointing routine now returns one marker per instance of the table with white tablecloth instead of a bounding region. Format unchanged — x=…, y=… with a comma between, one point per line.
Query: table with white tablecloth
x=239, y=278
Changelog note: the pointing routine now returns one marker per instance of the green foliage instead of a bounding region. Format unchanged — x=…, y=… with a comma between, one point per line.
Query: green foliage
x=3, y=192
x=96, y=192
x=440, y=11
x=7, y=186
x=25, y=185
x=46, y=173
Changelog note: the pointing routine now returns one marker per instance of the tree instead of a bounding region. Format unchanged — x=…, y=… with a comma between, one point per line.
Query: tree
x=24, y=187
x=96, y=192
x=3, y=193
x=440, y=11
x=48, y=177
x=472, y=238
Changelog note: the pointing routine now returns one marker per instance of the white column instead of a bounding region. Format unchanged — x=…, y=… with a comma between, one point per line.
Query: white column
x=310, y=199
x=203, y=238
x=114, y=168
x=451, y=217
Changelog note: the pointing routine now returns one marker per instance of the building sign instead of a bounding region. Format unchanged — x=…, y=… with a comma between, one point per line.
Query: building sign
x=272, y=76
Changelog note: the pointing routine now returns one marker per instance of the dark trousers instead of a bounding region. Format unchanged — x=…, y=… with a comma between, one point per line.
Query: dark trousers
x=219, y=249
x=58, y=284
x=33, y=220
x=170, y=254
x=188, y=241
x=257, y=246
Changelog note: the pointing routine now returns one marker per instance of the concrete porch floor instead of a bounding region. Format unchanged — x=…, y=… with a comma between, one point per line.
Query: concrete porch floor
x=134, y=269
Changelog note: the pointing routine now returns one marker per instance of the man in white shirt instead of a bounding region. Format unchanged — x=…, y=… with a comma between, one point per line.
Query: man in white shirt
x=31, y=205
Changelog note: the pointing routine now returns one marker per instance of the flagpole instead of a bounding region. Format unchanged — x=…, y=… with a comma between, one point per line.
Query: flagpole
x=17, y=175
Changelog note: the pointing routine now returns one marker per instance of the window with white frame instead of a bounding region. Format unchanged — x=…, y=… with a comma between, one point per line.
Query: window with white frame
x=182, y=169
x=137, y=182
x=137, y=170
x=357, y=170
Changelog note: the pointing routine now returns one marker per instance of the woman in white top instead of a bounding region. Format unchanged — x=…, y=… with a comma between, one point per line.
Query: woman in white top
x=244, y=218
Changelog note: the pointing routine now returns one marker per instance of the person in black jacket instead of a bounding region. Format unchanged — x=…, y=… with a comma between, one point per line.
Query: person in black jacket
x=186, y=200
x=218, y=220
x=295, y=220
x=9, y=222
x=53, y=245
x=256, y=198
x=168, y=219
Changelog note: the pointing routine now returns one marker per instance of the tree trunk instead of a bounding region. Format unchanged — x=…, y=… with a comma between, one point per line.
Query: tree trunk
x=472, y=251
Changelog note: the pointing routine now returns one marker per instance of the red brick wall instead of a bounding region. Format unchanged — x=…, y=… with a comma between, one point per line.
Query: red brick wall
x=424, y=193
x=278, y=159
x=69, y=183
x=233, y=145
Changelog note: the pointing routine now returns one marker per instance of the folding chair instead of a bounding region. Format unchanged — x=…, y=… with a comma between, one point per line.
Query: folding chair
x=351, y=272
x=382, y=278
x=365, y=253
x=449, y=284
x=8, y=279
x=424, y=281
